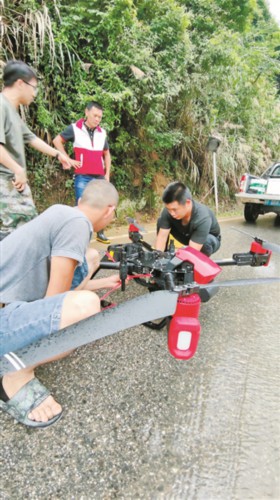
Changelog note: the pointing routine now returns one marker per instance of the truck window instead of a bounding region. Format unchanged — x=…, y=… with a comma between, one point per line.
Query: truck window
x=276, y=172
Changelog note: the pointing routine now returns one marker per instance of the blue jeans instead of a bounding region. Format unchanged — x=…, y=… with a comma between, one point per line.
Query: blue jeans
x=81, y=181
x=211, y=245
x=22, y=323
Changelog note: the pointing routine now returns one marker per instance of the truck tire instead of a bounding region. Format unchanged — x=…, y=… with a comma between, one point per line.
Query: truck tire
x=251, y=212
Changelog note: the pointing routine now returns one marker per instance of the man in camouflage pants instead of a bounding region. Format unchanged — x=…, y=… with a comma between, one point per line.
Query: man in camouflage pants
x=16, y=203
x=16, y=207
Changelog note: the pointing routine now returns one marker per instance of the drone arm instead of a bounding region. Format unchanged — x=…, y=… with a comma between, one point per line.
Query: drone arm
x=147, y=245
x=238, y=259
x=109, y=265
x=226, y=262
x=246, y=259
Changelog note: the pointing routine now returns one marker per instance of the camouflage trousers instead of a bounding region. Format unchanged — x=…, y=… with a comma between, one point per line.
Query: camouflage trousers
x=15, y=208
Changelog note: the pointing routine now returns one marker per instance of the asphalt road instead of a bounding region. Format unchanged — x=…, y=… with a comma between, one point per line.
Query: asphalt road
x=139, y=424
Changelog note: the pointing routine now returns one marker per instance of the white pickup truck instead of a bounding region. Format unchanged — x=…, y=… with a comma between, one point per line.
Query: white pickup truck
x=260, y=194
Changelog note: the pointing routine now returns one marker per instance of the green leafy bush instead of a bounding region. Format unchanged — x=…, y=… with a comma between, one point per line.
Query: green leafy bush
x=168, y=73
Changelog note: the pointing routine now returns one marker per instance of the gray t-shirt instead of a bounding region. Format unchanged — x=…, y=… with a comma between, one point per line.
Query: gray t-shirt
x=14, y=133
x=26, y=253
x=202, y=223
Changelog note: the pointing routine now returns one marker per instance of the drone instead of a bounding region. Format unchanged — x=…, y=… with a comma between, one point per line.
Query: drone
x=186, y=272
x=177, y=280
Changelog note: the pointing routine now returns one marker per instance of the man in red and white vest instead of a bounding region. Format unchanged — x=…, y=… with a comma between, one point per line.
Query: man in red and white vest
x=91, y=148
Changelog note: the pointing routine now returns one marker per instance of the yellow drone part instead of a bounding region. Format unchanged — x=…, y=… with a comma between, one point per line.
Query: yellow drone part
x=177, y=243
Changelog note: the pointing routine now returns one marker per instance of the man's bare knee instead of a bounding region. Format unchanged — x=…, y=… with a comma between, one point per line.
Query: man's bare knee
x=93, y=259
x=77, y=306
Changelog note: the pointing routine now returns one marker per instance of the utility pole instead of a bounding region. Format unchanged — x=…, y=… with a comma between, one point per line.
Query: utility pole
x=212, y=146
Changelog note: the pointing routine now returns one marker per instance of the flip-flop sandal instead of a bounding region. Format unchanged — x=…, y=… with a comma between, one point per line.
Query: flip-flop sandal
x=25, y=400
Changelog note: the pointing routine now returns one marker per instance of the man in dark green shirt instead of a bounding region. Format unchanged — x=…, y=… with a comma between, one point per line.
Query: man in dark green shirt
x=188, y=221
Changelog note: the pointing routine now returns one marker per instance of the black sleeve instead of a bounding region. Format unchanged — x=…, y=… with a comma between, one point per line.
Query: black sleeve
x=164, y=220
x=68, y=134
x=201, y=231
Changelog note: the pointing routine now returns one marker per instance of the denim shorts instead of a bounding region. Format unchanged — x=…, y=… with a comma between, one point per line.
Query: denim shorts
x=22, y=323
x=80, y=274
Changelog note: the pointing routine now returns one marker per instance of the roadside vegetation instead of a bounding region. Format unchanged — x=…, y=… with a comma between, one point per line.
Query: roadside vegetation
x=169, y=73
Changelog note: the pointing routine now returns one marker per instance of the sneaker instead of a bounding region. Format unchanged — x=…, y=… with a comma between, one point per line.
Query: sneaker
x=100, y=236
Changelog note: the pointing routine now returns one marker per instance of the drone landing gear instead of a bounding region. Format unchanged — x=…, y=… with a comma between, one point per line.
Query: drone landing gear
x=156, y=325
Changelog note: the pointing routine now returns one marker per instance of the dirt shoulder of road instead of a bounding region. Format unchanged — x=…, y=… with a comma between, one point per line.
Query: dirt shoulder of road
x=119, y=233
